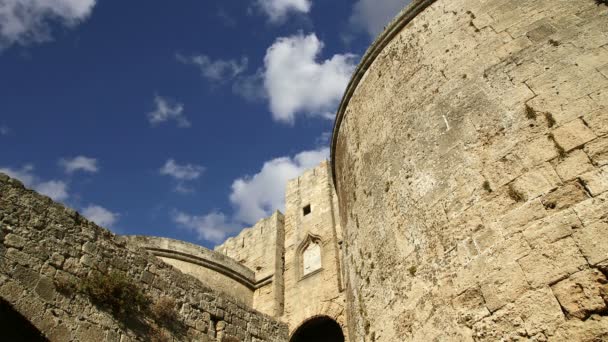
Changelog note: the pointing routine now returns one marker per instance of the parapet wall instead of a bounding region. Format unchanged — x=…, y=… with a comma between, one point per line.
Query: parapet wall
x=213, y=269
x=44, y=244
x=471, y=164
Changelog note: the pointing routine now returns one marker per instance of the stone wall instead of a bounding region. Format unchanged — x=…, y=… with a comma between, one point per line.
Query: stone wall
x=44, y=244
x=471, y=163
x=318, y=293
x=213, y=269
x=261, y=248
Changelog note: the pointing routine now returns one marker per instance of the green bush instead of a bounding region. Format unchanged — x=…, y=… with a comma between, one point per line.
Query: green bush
x=114, y=292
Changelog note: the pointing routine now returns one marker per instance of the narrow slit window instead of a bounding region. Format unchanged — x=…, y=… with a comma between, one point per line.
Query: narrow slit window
x=306, y=210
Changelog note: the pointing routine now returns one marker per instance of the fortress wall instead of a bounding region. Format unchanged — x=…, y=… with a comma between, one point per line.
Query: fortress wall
x=470, y=158
x=260, y=248
x=43, y=244
x=317, y=293
x=213, y=269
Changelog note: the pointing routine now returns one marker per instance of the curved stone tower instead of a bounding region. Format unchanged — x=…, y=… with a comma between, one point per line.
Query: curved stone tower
x=470, y=157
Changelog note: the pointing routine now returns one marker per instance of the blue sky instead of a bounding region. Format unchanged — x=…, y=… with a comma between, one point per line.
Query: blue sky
x=182, y=118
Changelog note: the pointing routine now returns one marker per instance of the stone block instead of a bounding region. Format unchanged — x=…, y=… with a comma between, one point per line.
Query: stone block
x=13, y=240
x=503, y=285
x=573, y=134
x=552, y=262
x=593, y=209
x=598, y=151
x=551, y=229
x=540, y=311
x=574, y=164
x=596, y=181
x=583, y=293
x=537, y=181
x=516, y=220
x=470, y=306
x=564, y=197
x=597, y=120
x=593, y=241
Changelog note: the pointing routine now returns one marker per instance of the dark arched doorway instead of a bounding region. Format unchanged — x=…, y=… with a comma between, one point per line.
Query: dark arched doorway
x=318, y=329
x=15, y=327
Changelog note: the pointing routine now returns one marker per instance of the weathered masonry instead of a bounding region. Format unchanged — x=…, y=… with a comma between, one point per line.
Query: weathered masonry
x=49, y=253
x=466, y=200
x=471, y=165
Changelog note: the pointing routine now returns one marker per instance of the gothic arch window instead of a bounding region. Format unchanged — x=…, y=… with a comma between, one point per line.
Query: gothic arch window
x=309, y=255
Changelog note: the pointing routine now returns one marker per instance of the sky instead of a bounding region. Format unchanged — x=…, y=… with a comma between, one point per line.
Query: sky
x=182, y=119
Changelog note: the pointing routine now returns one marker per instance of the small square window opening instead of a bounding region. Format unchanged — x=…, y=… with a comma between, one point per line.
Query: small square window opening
x=306, y=210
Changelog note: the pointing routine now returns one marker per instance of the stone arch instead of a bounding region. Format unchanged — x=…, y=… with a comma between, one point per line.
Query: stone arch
x=318, y=328
x=16, y=327
x=305, y=255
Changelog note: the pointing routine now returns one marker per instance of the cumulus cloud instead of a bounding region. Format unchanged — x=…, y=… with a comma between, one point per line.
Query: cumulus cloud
x=373, y=15
x=213, y=227
x=55, y=189
x=277, y=10
x=181, y=172
x=255, y=197
x=79, y=163
x=100, y=215
x=297, y=83
x=215, y=70
x=166, y=110
x=29, y=21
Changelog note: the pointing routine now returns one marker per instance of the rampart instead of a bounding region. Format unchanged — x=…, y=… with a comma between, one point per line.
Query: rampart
x=470, y=161
x=48, y=252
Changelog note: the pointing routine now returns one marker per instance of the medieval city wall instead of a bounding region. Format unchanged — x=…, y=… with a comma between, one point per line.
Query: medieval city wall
x=47, y=253
x=471, y=163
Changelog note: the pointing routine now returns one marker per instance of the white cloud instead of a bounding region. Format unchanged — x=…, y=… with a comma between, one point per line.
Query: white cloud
x=100, y=215
x=166, y=110
x=257, y=196
x=29, y=21
x=373, y=15
x=55, y=189
x=79, y=163
x=4, y=130
x=277, y=10
x=216, y=70
x=212, y=227
x=181, y=172
x=297, y=84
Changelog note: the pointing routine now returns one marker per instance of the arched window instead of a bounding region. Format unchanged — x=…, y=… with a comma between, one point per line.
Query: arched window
x=310, y=256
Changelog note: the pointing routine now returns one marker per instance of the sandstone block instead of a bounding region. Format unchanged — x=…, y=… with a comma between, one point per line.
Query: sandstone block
x=551, y=229
x=593, y=241
x=516, y=220
x=592, y=209
x=596, y=181
x=537, y=181
x=470, y=306
x=583, y=293
x=503, y=285
x=574, y=164
x=598, y=120
x=572, y=135
x=598, y=151
x=13, y=240
x=564, y=197
x=552, y=262
x=540, y=311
